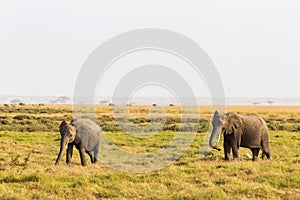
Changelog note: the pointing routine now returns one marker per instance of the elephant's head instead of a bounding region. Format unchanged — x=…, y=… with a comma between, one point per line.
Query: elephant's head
x=228, y=123
x=68, y=133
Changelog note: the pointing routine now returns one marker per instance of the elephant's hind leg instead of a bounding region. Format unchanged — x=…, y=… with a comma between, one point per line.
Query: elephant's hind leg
x=91, y=156
x=265, y=154
x=265, y=144
x=96, y=152
x=255, y=152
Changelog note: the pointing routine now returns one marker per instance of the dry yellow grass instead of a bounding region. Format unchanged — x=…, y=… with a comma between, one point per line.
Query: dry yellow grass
x=27, y=159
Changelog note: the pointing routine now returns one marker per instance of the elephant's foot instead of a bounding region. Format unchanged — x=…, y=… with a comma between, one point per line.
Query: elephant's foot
x=83, y=163
x=236, y=159
x=254, y=159
x=268, y=155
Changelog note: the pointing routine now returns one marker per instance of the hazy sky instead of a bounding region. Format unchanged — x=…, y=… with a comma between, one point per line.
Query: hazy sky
x=254, y=44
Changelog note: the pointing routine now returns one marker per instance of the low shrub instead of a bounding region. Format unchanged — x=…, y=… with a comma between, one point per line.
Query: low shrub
x=4, y=122
x=21, y=117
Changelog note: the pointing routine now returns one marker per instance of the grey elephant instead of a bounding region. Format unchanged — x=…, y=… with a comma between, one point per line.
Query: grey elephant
x=248, y=131
x=82, y=133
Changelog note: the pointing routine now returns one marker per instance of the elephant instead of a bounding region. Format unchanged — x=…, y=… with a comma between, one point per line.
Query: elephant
x=84, y=134
x=249, y=131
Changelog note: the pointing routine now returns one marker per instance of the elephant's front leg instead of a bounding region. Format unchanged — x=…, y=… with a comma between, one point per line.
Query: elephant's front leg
x=69, y=153
x=227, y=147
x=235, y=149
x=255, y=152
x=81, y=150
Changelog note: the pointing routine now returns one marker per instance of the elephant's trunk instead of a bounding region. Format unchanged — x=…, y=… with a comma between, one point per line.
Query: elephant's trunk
x=63, y=144
x=215, y=132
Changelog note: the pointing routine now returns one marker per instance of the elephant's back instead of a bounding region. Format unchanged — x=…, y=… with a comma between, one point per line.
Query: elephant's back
x=253, y=120
x=88, y=131
x=253, y=129
x=87, y=123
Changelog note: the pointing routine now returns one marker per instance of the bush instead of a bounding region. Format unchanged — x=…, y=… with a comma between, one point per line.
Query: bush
x=173, y=127
x=188, y=127
x=274, y=126
x=294, y=127
x=110, y=127
x=4, y=122
x=21, y=117
x=293, y=120
x=203, y=125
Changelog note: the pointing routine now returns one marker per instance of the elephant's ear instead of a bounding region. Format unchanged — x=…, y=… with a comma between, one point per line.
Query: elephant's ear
x=62, y=127
x=232, y=123
x=73, y=122
x=216, y=113
x=89, y=135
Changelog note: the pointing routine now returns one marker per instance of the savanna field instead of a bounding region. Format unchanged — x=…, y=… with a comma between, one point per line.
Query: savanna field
x=29, y=145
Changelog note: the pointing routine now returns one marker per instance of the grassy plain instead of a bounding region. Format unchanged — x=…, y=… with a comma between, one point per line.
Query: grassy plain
x=29, y=144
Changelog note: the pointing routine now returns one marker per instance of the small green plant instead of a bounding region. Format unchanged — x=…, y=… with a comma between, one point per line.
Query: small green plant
x=15, y=160
x=27, y=159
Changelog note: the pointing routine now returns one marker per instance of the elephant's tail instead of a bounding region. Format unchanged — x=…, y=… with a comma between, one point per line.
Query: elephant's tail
x=265, y=144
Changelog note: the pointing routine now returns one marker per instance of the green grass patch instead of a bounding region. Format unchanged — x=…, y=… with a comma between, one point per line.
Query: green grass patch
x=29, y=150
